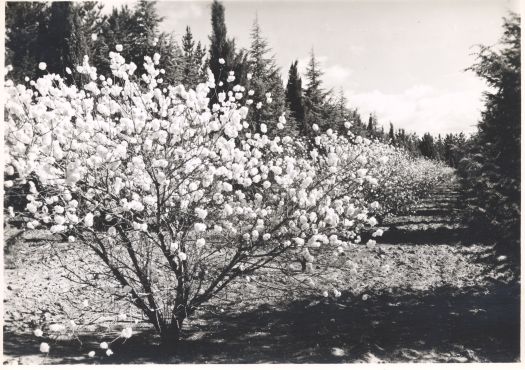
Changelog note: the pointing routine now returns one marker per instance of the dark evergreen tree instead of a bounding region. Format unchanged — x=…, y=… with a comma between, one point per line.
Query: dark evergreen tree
x=427, y=147
x=265, y=83
x=391, y=135
x=448, y=143
x=491, y=171
x=117, y=31
x=340, y=112
x=59, y=52
x=138, y=31
x=200, y=57
x=439, y=148
x=193, y=61
x=370, y=126
x=314, y=97
x=25, y=23
x=61, y=34
x=223, y=58
x=294, y=96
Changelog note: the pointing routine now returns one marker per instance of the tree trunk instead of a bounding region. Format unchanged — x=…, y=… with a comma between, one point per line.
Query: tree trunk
x=171, y=336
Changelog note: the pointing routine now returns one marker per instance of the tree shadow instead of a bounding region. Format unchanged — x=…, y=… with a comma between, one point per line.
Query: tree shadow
x=439, y=235
x=445, y=325
x=437, y=211
x=477, y=325
x=431, y=222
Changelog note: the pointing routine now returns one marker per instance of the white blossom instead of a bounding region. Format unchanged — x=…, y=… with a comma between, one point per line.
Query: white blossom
x=44, y=347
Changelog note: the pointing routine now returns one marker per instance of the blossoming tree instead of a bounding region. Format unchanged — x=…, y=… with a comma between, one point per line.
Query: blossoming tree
x=173, y=198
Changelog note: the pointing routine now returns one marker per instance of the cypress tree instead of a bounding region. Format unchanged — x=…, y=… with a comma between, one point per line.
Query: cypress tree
x=57, y=53
x=370, y=126
x=391, y=135
x=221, y=49
x=294, y=93
x=25, y=23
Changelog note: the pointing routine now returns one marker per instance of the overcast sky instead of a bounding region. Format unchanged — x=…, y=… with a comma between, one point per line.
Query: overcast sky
x=403, y=60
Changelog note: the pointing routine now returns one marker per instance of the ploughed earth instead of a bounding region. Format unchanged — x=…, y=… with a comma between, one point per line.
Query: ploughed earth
x=445, y=298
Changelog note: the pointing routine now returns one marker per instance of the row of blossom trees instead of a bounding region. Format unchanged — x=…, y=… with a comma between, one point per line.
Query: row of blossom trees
x=176, y=198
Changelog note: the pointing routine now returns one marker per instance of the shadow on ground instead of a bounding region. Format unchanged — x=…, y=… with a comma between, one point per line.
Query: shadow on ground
x=430, y=235
x=444, y=325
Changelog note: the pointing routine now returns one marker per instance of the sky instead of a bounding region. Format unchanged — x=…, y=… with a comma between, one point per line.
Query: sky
x=403, y=60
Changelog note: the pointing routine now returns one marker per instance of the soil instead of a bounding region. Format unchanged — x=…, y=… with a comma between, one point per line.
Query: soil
x=447, y=298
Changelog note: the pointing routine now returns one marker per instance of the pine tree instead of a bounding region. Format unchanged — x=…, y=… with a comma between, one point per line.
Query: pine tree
x=91, y=23
x=492, y=171
x=314, y=96
x=448, y=143
x=259, y=61
x=171, y=58
x=137, y=30
x=200, y=54
x=440, y=155
x=341, y=105
x=314, y=92
x=145, y=26
x=147, y=40
x=336, y=111
x=265, y=82
x=193, y=68
x=190, y=69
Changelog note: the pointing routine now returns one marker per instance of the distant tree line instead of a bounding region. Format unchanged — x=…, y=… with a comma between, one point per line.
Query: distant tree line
x=61, y=34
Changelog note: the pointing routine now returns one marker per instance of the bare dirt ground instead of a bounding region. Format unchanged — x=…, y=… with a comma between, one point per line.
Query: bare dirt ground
x=445, y=299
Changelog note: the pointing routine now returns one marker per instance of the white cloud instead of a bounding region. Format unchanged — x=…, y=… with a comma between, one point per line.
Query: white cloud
x=180, y=13
x=422, y=108
x=334, y=75
x=110, y=4
x=173, y=11
x=187, y=10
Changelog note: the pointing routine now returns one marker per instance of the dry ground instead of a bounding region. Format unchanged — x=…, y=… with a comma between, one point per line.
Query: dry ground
x=443, y=300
